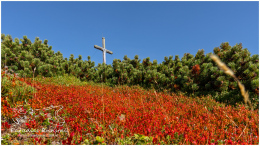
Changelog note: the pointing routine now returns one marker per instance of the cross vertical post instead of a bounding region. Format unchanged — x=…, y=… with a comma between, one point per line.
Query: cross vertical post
x=103, y=49
x=104, y=52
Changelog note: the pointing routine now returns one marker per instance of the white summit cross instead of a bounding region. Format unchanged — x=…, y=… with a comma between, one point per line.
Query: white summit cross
x=103, y=49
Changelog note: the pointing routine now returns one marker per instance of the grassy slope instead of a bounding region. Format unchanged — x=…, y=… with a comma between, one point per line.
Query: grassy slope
x=190, y=110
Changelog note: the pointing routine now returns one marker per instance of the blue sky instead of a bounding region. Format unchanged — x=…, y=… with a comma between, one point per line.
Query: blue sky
x=147, y=29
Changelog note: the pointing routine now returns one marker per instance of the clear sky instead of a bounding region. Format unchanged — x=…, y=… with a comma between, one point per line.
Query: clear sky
x=147, y=29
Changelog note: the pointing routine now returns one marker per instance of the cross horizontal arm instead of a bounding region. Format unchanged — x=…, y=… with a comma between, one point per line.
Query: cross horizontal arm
x=99, y=48
x=109, y=52
x=102, y=49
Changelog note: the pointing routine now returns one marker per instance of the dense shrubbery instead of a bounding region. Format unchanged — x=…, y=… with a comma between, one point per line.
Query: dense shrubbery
x=195, y=76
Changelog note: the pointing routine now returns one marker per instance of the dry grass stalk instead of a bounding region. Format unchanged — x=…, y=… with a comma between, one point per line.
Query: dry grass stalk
x=230, y=119
x=228, y=71
x=222, y=65
x=142, y=103
x=161, y=105
x=33, y=82
x=242, y=132
x=103, y=102
x=5, y=63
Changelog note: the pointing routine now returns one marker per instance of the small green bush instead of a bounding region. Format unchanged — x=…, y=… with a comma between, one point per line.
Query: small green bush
x=14, y=90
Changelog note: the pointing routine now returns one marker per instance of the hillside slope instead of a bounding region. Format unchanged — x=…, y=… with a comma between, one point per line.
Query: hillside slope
x=93, y=114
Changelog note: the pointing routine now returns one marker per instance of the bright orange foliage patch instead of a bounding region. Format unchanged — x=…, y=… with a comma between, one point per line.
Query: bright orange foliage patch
x=148, y=113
